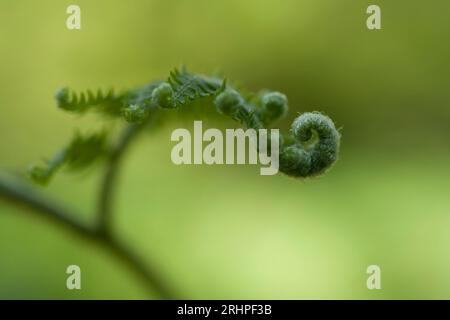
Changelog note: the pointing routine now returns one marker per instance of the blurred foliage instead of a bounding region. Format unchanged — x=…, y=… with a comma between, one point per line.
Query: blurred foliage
x=225, y=231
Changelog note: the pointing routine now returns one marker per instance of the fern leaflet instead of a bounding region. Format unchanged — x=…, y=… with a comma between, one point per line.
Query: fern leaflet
x=187, y=87
x=108, y=102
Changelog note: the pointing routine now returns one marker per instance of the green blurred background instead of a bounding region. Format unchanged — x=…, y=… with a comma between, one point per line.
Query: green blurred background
x=225, y=231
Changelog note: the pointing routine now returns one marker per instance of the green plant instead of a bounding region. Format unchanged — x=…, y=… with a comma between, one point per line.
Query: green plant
x=309, y=149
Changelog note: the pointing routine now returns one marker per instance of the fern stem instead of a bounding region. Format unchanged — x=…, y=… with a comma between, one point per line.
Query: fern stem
x=108, y=183
x=22, y=194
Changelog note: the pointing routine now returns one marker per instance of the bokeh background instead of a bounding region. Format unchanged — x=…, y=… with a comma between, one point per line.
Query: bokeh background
x=225, y=231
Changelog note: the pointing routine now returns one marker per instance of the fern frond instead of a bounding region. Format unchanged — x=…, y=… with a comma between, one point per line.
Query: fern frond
x=138, y=103
x=187, y=87
x=142, y=96
x=248, y=117
x=81, y=152
x=108, y=102
x=310, y=149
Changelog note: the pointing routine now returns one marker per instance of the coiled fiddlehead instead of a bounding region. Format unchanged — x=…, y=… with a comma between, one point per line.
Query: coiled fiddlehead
x=313, y=144
x=310, y=148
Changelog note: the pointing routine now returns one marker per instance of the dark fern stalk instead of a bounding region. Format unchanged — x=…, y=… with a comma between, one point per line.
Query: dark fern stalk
x=310, y=148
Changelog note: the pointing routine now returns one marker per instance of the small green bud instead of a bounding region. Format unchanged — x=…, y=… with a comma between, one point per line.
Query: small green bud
x=62, y=98
x=163, y=96
x=62, y=94
x=39, y=175
x=274, y=106
x=134, y=113
x=228, y=102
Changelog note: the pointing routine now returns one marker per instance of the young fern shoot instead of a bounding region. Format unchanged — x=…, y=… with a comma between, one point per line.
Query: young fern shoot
x=309, y=149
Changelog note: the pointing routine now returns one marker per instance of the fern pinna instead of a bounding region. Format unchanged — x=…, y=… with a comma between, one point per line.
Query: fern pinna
x=309, y=149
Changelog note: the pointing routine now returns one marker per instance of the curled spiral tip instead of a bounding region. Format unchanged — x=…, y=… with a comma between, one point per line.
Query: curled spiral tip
x=274, y=106
x=163, y=96
x=315, y=148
